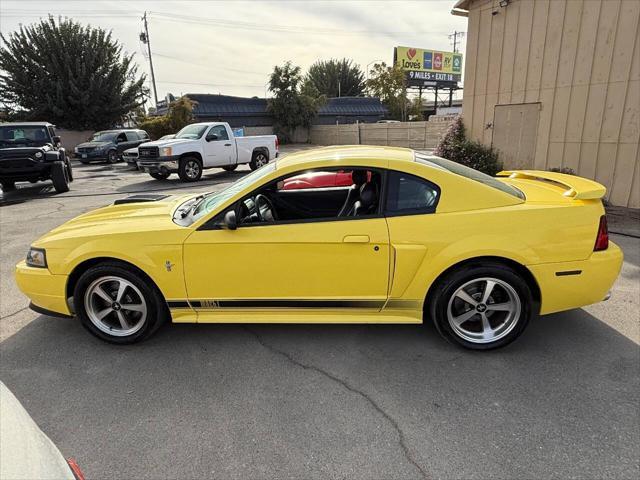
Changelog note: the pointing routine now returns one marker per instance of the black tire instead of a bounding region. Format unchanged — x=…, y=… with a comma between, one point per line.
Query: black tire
x=147, y=294
x=69, y=169
x=112, y=157
x=8, y=185
x=230, y=168
x=446, y=306
x=60, y=176
x=190, y=169
x=258, y=159
x=160, y=175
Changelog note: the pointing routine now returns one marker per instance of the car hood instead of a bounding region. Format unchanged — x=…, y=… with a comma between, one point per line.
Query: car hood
x=93, y=144
x=127, y=218
x=167, y=143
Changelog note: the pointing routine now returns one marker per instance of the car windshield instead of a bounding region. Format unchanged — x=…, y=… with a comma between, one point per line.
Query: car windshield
x=192, y=131
x=103, y=136
x=213, y=199
x=467, y=172
x=20, y=136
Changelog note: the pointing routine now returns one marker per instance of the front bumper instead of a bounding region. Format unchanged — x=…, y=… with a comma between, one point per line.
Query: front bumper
x=93, y=155
x=159, y=164
x=568, y=285
x=23, y=167
x=45, y=290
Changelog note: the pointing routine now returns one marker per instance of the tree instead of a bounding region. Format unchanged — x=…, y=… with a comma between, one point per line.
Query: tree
x=289, y=107
x=334, y=78
x=72, y=75
x=455, y=146
x=179, y=115
x=388, y=84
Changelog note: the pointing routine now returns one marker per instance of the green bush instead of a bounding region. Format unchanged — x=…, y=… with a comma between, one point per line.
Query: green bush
x=456, y=147
x=180, y=115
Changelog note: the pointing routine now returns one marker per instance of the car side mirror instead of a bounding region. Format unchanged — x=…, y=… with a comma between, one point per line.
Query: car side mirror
x=56, y=140
x=211, y=137
x=230, y=220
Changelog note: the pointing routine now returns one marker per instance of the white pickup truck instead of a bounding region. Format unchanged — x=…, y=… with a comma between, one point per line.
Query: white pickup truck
x=204, y=145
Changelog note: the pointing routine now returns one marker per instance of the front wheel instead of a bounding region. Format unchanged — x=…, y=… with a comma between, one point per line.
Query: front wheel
x=258, y=159
x=160, y=175
x=118, y=304
x=112, y=156
x=190, y=169
x=60, y=176
x=481, y=306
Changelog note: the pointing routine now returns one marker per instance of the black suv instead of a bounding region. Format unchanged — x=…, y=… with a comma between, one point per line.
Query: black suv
x=109, y=144
x=31, y=151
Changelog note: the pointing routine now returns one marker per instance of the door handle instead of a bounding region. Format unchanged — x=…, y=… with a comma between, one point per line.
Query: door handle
x=356, y=239
x=227, y=144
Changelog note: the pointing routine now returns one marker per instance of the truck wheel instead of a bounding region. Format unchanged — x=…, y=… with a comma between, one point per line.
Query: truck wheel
x=60, y=176
x=258, y=159
x=160, y=175
x=112, y=156
x=8, y=185
x=69, y=169
x=190, y=169
x=230, y=168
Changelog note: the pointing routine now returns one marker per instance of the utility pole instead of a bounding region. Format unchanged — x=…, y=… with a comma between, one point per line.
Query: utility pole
x=454, y=38
x=144, y=38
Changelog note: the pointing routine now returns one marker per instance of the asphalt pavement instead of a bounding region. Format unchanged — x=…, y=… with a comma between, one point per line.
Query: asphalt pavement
x=318, y=401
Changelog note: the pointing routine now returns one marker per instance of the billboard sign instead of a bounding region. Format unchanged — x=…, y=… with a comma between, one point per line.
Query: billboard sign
x=429, y=67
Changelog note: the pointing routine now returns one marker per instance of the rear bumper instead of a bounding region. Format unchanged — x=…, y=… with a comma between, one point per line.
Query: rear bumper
x=568, y=285
x=45, y=290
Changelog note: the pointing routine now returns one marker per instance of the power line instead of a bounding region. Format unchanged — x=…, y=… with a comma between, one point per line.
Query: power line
x=209, y=84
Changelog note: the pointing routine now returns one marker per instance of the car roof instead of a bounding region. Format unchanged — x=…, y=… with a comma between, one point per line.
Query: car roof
x=345, y=153
x=35, y=124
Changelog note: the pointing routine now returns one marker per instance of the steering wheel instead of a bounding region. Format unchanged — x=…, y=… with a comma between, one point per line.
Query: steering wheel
x=266, y=212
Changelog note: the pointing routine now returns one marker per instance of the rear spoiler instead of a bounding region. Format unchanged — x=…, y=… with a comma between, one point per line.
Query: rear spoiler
x=577, y=188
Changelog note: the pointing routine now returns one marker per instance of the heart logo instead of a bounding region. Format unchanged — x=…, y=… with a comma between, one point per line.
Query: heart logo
x=411, y=53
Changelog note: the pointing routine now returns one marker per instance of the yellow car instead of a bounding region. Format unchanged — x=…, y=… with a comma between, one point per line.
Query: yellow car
x=409, y=237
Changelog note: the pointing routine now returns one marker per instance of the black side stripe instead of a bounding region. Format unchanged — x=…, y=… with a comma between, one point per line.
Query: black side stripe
x=215, y=304
x=568, y=272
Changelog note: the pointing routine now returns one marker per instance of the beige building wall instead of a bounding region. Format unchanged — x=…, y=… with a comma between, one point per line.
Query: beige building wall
x=577, y=62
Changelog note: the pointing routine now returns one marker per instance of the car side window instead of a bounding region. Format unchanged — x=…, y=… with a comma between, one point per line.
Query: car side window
x=408, y=194
x=121, y=138
x=143, y=135
x=131, y=136
x=219, y=131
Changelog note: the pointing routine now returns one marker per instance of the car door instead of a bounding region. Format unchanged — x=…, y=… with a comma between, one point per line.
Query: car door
x=122, y=142
x=218, y=148
x=307, y=265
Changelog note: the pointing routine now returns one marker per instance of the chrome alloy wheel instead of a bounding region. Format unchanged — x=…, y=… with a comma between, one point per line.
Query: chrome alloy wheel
x=484, y=310
x=192, y=169
x=115, y=306
x=261, y=160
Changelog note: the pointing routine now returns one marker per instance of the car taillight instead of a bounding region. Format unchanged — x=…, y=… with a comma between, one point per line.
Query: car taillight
x=602, y=240
x=277, y=143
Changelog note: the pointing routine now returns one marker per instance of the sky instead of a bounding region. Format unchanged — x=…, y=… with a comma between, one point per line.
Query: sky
x=231, y=47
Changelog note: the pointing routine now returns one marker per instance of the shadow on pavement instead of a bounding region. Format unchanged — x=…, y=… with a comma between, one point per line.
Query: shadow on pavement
x=262, y=401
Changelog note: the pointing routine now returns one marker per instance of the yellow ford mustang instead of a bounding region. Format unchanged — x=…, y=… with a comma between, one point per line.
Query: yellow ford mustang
x=335, y=235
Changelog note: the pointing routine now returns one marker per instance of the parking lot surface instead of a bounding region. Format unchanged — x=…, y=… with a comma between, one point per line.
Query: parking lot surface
x=318, y=401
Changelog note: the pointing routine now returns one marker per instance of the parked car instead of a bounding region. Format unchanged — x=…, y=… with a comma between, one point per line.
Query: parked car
x=204, y=145
x=32, y=152
x=131, y=155
x=415, y=238
x=27, y=453
x=109, y=145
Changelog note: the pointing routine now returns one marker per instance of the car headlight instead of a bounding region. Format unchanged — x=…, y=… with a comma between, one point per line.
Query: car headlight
x=165, y=151
x=76, y=150
x=36, y=257
x=38, y=155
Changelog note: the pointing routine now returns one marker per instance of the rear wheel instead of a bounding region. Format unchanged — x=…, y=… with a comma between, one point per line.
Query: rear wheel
x=117, y=304
x=230, y=168
x=190, y=169
x=258, y=159
x=60, y=176
x=160, y=175
x=481, y=306
x=8, y=185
